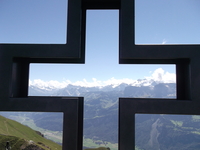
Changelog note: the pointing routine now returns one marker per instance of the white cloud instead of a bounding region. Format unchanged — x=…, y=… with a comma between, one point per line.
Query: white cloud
x=116, y=82
x=159, y=75
x=86, y=83
x=164, y=41
x=95, y=82
x=50, y=84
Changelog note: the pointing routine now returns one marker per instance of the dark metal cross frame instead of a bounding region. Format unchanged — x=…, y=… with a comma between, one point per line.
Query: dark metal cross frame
x=14, y=74
x=186, y=59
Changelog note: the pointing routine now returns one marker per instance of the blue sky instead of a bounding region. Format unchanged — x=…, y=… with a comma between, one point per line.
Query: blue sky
x=157, y=22
x=32, y=21
x=167, y=21
x=101, y=54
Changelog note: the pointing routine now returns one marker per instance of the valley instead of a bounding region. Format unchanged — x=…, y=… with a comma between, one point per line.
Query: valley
x=101, y=115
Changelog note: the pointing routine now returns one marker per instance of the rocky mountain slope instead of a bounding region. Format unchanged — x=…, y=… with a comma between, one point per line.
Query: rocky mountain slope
x=167, y=132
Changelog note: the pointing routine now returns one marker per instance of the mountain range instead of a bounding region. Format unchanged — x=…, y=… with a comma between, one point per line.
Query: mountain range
x=148, y=86
x=153, y=132
x=100, y=107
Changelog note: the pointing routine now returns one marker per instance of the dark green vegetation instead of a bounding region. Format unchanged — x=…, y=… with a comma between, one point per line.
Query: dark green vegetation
x=22, y=137
x=17, y=143
x=167, y=132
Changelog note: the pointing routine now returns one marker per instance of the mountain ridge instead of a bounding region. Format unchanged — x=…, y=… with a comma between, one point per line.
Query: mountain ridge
x=101, y=104
x=101, y=107
x=53, y=85
x=75, y=90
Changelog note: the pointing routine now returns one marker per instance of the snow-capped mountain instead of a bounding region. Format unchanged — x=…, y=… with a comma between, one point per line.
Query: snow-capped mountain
x=100, y=101
x=137, y=88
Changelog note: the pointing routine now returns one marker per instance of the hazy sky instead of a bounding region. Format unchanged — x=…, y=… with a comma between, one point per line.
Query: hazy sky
x=157, y=22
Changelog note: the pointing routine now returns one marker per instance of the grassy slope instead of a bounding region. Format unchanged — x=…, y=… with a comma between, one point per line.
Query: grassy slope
x=12, y=128
x=52, y=135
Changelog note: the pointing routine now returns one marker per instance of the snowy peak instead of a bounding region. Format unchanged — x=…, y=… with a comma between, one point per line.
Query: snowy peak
x=158, y=76
x=141, y=88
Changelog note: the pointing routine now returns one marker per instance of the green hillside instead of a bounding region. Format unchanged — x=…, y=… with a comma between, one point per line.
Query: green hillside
x=22, y=137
